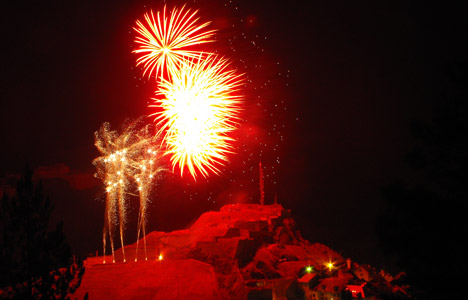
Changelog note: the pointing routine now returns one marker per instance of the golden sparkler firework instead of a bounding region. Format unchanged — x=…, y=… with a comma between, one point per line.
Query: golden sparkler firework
x=128, y=159
x=200, y=106
x=164, y=42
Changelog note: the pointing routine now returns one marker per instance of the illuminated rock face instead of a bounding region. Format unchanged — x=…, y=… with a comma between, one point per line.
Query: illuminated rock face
x=166, y=279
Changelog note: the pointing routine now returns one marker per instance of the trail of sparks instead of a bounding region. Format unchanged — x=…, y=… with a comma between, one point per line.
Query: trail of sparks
x=164, y=41
x=144, y=174
x=200, y=106
x=121, y=167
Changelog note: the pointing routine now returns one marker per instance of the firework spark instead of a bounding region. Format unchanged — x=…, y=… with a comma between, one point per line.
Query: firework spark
x=122, y=166
x=200, y=107
x=164, y=44
x=145, y=169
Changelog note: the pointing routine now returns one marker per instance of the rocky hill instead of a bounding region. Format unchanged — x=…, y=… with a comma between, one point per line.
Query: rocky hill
x=243, y=251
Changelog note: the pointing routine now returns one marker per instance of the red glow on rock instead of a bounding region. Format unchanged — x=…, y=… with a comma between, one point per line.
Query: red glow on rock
x=356, y=290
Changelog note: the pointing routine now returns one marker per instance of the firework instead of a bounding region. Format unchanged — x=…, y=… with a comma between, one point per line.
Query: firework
x=200, y=108
x=121, y=167
x=145, y=170
x=164, y=42
x=261, y=184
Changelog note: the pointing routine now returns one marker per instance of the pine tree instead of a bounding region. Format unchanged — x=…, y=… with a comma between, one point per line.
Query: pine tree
x=35, y=263
x=424, y=222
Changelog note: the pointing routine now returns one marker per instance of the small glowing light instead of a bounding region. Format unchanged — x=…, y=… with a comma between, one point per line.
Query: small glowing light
x=139, y=188
x=120, y=181
x=138, y=179
x=149, y=150
x=151, y=161
x=330, y=265
x=160, y=257
x=118, y=172
x=308, y=269
x=113, y=261
x=135, y=260
x=108, y=188
x=151, y=176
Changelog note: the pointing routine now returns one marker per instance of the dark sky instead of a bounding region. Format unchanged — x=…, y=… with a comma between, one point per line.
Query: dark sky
x=333, y=87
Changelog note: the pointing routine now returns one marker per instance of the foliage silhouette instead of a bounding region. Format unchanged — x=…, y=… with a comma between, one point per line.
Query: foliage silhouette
x=424, y=221
x=35, y=262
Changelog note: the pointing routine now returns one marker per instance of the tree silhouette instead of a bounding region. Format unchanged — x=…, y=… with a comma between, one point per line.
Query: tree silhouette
x=35, y=262
x=424, y=222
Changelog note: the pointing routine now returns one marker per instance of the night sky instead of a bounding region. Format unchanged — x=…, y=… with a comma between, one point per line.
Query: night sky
x=331, y=89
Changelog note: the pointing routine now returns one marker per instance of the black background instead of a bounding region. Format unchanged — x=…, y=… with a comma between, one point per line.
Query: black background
x=342, y=79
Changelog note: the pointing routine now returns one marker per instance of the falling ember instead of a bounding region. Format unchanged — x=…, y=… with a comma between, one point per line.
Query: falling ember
x=200, y=107
x=261, y=184
x=118, y=165
x=164, y=42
